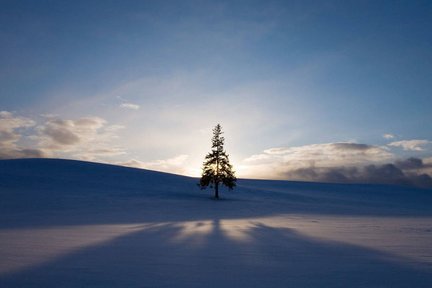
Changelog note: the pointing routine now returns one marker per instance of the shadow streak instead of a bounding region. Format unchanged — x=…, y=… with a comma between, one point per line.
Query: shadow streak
x=270, y=257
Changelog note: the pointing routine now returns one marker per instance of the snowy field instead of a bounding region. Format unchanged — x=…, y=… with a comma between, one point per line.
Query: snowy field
x=77, y=224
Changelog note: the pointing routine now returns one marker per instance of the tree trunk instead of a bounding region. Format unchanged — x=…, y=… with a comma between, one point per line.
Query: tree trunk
x=217, y=175
x=217, y=190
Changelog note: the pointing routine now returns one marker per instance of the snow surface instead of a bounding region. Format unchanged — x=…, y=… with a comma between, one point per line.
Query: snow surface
x=67, y=223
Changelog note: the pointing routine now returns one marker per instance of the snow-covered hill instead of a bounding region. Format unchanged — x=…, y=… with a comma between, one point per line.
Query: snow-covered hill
x=67, y=223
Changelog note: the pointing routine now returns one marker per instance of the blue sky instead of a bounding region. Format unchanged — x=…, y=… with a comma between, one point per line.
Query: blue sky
x=149, y=80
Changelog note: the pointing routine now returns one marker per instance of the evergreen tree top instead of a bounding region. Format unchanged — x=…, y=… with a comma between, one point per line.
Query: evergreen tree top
x=218, y=140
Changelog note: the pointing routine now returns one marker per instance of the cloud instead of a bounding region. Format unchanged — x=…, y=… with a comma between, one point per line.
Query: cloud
x=130, y=106
x=410, y=163
x=9, y=124
x=60, y=132
x=20, y=152
x=57, y=133
x=415, y=165
x=86, y=138
x=323, y=155
x=373, y=174
x=337, y=162
x=388, y=136
x=172, y=165
x=133, y=163
x=410, y=145
x=11, y=134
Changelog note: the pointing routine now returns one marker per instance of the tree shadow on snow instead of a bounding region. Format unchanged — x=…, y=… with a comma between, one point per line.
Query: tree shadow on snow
x=216, y=254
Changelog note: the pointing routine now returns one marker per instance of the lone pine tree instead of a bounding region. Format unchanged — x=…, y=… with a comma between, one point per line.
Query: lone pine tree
x=217, y=168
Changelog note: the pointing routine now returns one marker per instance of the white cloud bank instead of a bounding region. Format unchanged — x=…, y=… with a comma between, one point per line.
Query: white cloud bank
x=85, y=138
x=10, y=135
x=320, y=155
x=337, y=162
